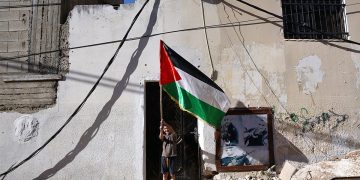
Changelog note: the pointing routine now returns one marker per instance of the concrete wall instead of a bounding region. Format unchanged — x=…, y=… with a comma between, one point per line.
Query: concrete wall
x=106, y=139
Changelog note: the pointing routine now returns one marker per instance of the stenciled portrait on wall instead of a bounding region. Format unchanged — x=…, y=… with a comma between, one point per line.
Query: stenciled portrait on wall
x=244, y=141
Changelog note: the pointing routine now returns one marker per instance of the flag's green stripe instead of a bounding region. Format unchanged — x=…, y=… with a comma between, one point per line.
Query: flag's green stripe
x=187, y=101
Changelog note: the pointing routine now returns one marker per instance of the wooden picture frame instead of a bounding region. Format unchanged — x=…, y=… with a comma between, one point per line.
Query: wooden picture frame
x=245, y=140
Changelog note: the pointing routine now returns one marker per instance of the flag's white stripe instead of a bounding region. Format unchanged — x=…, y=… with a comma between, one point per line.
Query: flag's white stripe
x=203, y=91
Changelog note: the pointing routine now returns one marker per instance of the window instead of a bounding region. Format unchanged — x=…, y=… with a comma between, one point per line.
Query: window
x=306, y=19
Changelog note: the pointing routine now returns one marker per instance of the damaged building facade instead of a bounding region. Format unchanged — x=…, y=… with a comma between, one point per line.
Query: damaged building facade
x=310, y=80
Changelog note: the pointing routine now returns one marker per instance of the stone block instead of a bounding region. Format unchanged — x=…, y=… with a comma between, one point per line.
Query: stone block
x=3, y=4
x=3, y=66
x=9, y=55
x=14, y=66
x=24, y=35
x=287, y=171
x=23, y=59
x=329, y=170
x=20, y=3
x=18, y=46
x=18, y=25
x=35, y=90
x=3, y=47
x=9, y=15
x=9, y=36
x=4, y=26
x=45, y=84
x=24, y=15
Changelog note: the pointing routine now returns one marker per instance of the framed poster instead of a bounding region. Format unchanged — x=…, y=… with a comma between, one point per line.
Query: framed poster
x=244, y=141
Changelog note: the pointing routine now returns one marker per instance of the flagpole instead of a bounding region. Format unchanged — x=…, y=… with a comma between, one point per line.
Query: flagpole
x=161, y=110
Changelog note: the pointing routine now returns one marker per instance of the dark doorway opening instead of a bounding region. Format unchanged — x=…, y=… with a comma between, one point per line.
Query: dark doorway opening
x=187, y=164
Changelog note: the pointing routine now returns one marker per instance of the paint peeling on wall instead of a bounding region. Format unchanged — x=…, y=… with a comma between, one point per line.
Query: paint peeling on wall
x=277, y=84
x=356, y=59
x=26, y=128
x=309, y=74
x=253, y=84
x=267, y=58
x=357, y=66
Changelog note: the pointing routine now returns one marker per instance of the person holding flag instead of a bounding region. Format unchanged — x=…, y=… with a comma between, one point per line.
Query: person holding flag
x=194, y=92
x=168, y=137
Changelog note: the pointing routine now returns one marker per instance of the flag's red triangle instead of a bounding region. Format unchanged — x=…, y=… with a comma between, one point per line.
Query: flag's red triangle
x=168, y=73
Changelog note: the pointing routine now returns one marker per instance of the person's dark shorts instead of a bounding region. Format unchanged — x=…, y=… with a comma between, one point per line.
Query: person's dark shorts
x=165, y=168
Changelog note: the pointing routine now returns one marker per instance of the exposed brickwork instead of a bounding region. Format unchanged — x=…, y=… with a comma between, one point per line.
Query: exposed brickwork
x=27, y=96
x=24, y=31
x=14, y=34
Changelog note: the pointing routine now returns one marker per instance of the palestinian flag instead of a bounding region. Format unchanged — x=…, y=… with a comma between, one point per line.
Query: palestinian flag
x=193, y=90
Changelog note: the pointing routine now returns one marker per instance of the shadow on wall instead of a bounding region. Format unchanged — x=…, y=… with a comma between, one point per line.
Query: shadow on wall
x=208, y=158
x=91, y=132
x=79, y=76
x=285, y=150
x=320, y=136
x=240, y=104
x=251, y=14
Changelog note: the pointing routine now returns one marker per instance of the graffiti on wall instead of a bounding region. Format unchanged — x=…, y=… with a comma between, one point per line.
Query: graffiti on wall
x=309, y=123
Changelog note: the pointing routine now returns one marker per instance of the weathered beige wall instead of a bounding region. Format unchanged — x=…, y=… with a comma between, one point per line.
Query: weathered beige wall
x=256, y=61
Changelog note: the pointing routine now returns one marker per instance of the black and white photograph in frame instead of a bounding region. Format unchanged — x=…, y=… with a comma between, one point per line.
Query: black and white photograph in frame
x=244, y=140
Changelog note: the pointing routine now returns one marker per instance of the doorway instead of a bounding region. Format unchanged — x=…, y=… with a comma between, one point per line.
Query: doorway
x=187, y=164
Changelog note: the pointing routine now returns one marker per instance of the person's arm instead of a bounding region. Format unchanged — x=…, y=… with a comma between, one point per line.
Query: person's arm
x=161, y=135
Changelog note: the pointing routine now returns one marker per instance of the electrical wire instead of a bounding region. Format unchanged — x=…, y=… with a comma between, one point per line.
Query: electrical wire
x=265, y=79
x=83, y=102
x=46, y=4
x=205, y=27
x=241, y=63
x=213, y=74
x=59, y=4
x=129, y=39
x=248, y=53
x=301, y=24
x=257, y=68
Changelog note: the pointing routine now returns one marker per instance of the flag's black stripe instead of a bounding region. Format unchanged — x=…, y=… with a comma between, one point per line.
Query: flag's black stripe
x=184, y=65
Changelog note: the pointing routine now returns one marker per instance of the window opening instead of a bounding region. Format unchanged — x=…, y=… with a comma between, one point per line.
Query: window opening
x=326, y=16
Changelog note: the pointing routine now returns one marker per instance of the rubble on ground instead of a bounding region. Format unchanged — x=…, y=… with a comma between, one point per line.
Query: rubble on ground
x=347, y=167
